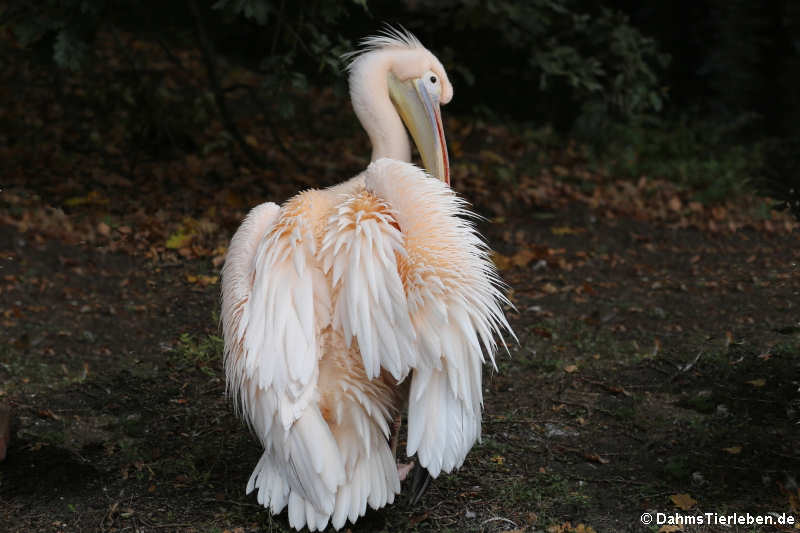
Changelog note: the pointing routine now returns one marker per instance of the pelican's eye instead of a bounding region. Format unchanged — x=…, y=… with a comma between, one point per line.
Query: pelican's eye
x=430, y=80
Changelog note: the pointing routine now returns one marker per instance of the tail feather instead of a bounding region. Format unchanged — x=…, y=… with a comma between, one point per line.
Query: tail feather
x=314, y=463
x=441, y=427
x=302, y=513
x=372, y=472
x=328, y=474
x=273, y=490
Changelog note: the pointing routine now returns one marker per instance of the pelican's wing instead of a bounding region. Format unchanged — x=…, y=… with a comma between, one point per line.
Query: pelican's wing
x=453, y=296
x=360, y=250
x=274, y=302
x=238, y=275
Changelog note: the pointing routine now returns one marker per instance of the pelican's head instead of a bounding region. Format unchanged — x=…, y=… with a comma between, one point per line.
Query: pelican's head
x=417, y=84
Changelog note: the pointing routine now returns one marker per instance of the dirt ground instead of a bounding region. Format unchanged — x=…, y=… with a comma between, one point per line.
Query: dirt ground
x=657, y=369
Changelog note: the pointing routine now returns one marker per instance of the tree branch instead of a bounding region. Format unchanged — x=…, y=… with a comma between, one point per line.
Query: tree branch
x=216, y=88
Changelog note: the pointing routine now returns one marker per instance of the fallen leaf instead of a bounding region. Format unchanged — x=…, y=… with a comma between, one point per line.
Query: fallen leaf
x=683, y=501
x=561, y=170
x=94, y=197
x=794, y=498
x=595, y=458
x=414, y=520
x=586, y=288
x=520, y=259
x=179, y=239
x=542, y=332
x=48, y=413
x=502, y=262
x=618, y=389
x=656, y=347
x=549, y=288
x=523, y=257
x=202, y=279
x=566, y=230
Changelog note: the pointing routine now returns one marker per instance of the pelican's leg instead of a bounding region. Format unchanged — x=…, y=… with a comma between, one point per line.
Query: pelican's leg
x=398, y=420
x=402, y=468
x=420, y=479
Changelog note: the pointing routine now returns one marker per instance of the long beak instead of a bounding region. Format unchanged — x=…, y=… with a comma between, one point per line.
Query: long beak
x=420, y=113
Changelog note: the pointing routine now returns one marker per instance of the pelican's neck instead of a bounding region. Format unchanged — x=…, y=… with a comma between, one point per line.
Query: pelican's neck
x=369, y=93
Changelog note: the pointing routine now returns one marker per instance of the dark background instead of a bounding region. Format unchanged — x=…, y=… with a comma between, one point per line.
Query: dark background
x=721, y=59
x=703, y=93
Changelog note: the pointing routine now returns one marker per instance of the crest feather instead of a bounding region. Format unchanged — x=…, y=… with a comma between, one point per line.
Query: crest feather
x=389, y=37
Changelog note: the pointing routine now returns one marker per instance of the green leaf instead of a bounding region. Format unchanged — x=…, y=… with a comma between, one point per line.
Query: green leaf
x=68, y=51
x=179, y=239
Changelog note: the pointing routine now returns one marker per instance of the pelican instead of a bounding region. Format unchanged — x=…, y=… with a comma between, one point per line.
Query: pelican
x=346, y=304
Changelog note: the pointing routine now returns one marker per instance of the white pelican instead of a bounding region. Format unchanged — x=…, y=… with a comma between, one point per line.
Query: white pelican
x=333, y=300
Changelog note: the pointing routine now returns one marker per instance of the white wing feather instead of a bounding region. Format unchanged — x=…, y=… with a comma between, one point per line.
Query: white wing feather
x=281, y=348
x=360, y=250
x=237, y=283
x=454, y=297
x=271, y=327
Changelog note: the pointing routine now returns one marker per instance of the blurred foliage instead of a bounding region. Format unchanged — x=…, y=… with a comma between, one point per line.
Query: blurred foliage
x=279, y=44
x=699, y=155
x=729, y=57
x=685, y=90
x=277, y=30
x=293, y=41
x=549, y=47
x=553, y=61
x=754, y=64
x=63, y=30
x=552, y=56
x=779, y=175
